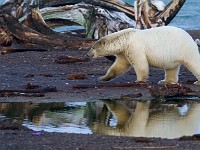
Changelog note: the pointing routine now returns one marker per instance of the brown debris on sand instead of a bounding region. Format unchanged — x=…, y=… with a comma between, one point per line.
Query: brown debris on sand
x=171, y=90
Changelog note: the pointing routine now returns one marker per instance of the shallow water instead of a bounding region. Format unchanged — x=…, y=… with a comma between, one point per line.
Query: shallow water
x=109, y=117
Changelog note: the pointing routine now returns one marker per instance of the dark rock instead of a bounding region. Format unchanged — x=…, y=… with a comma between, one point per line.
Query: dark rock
x=70, y=59
x=77, y=77
x=46, y=74
x=49, y=89
x=130, y=96
x=31, y=86
x=142, y=140
x=29, y=75
x=195, y=137
x=169, y=90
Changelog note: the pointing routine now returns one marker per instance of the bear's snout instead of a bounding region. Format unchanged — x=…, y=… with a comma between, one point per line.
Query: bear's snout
x=89, y=54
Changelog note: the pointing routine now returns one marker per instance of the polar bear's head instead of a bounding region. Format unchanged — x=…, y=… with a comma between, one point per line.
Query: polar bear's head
x=99, y=49
x=111, y=44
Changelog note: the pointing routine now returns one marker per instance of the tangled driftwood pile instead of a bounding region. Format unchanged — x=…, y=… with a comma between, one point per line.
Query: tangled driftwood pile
x=27, y=24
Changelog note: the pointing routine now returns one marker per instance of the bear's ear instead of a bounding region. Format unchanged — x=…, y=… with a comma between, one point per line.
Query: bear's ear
x=102, y=42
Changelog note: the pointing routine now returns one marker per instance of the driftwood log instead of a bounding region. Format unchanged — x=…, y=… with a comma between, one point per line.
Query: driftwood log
x=22, y=37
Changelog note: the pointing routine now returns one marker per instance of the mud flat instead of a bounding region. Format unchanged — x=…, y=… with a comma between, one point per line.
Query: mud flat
x=69, y=76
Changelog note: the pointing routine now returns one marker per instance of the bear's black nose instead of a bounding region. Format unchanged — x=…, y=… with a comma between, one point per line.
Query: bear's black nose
x=90, y=54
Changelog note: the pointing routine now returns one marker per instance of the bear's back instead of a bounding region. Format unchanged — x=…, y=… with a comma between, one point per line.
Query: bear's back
x=167, y=32
x=167, y=38
x=164, y=45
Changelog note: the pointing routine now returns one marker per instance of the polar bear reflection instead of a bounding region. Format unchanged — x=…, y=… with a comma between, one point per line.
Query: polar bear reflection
x=173, y=123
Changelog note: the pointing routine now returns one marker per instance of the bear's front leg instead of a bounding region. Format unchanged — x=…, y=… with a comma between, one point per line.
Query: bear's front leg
x=119, y=67
x=109, y=75
x=142, y=73
x=171, y=76
x=140, y=64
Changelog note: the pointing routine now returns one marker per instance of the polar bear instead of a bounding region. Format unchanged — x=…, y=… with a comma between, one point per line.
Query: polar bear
x=164, y=47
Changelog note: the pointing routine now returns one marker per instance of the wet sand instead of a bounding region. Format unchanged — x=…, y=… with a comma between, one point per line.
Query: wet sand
x=75, y=79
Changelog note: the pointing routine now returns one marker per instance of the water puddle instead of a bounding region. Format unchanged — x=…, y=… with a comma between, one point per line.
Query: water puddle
x=121, y=118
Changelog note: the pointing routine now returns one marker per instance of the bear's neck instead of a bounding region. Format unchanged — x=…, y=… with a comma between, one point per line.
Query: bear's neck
x=117, y=45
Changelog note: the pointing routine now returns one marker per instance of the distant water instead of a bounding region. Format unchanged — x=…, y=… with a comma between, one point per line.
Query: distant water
x=187, y=18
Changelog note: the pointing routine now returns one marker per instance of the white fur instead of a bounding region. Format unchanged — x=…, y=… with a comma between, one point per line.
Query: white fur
x=162, y=47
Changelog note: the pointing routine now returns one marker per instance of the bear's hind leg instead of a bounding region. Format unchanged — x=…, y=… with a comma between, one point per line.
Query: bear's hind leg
x=119, y=67
x=193, y=66
x=171, y=76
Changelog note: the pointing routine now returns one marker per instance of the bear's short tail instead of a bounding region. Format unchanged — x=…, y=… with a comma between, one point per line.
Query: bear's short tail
x=197, y=42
